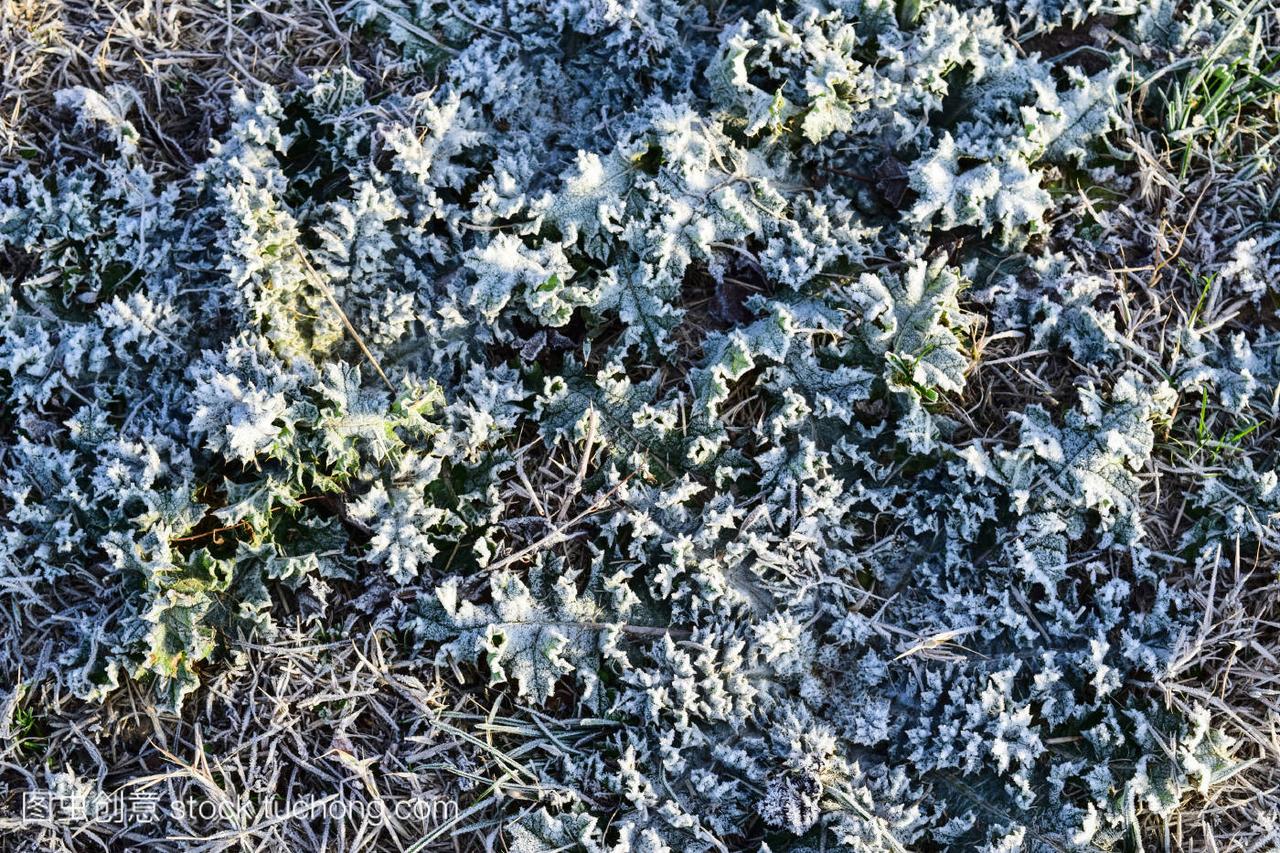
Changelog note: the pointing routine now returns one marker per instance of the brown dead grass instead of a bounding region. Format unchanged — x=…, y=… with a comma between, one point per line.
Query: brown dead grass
x=184, y=59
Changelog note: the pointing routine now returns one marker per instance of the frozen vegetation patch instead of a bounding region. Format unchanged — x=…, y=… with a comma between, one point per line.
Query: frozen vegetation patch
x=633, y=368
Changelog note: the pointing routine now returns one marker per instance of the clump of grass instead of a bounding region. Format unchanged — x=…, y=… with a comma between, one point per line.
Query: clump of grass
x=1223, y=108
